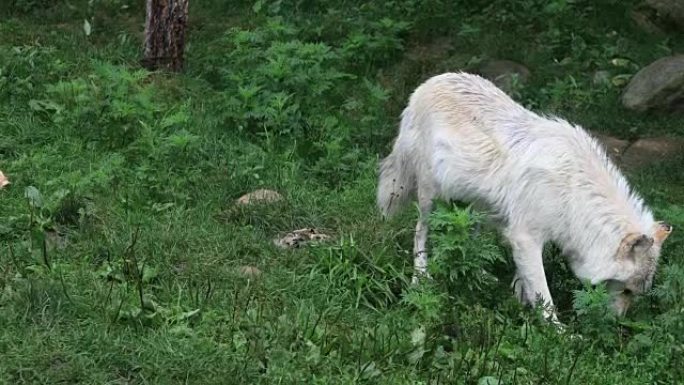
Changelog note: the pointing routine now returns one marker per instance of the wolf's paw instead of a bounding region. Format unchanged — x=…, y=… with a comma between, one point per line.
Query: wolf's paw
x=420, y=276
x=561, y=328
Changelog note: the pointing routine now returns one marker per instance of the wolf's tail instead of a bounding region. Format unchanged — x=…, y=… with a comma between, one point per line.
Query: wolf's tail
x=397, y=171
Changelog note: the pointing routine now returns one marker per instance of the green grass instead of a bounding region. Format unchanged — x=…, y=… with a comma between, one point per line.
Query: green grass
x=138, y=173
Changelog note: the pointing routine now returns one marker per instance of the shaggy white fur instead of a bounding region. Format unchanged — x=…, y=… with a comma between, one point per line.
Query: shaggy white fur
x=546, y=180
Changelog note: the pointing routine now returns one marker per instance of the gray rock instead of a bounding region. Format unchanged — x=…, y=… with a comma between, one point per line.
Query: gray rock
x=672, y=10
x=645, y=22
x=651, y=150
x=641, y=153
x=504, y=73
x=660, y=85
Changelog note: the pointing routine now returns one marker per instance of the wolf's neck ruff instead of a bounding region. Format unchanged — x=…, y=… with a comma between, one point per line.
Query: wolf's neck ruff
x=596, y=207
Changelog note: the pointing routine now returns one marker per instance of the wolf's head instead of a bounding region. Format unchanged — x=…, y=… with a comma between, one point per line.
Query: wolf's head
x=638, y=256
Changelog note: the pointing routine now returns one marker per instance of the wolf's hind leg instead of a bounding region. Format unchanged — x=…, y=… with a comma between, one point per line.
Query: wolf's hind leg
x=425, y=196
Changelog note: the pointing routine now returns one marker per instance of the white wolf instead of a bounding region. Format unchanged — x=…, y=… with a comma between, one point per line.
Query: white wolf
x=546, y=180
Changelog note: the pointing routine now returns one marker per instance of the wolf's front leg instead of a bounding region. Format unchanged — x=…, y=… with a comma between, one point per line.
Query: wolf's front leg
x=530, y=280
x=419, y=251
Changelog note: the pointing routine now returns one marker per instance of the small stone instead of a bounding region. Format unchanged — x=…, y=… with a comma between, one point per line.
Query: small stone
x=250, y=271
x=3, y=180
x=614, y=147
x=259, y=196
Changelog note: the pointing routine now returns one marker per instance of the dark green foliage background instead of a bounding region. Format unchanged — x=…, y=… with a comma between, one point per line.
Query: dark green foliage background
x=137, y=172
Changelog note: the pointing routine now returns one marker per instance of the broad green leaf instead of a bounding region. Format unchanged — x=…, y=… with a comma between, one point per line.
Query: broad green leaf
x=34, y=196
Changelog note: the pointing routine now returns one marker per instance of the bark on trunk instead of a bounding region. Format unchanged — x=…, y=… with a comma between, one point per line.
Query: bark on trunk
x=165, y=34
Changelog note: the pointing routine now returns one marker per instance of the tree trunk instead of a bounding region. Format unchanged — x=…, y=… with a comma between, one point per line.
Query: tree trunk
x=165, y=34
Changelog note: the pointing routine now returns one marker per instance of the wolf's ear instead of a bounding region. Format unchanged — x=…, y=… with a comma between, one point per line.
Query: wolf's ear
x=635, y=244
x=662, y=231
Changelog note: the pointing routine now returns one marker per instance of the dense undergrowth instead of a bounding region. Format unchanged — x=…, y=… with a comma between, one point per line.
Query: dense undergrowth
x=120, y=248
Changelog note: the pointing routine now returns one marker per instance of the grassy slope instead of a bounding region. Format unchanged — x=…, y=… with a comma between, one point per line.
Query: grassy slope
x=322, y=315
